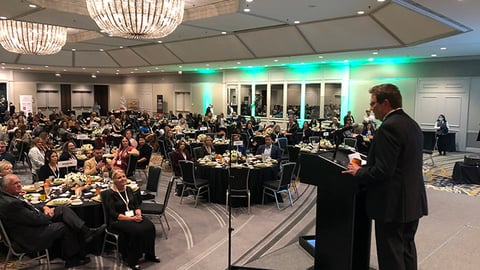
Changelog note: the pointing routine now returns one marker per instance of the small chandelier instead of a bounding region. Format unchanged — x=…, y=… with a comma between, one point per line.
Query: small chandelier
x=32, y=38
x=137, y=19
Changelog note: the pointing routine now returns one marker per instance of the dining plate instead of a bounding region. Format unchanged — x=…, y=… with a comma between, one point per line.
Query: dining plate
x=29, y=196
x=58, y=181
x=59, y=202
x=29, y=188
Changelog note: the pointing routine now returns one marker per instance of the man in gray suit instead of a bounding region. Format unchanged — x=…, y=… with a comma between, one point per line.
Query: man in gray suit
x=32, y=229
x=393, y=178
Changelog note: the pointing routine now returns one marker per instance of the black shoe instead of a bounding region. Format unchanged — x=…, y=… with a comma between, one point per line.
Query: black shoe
x=94, y=232
x=152, y=258
x=134, y=266
x=77, y=262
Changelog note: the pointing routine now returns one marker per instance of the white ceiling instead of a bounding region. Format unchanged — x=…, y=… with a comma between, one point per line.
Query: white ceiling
x=329, y=30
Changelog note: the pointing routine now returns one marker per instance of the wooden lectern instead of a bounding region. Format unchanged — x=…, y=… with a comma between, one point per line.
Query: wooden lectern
x=342, y=235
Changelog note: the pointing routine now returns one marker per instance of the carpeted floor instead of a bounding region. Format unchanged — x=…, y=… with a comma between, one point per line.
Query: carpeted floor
x=439, y=176
x=198, y=238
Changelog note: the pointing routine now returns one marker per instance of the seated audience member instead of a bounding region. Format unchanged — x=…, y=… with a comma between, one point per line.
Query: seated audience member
x=242, y=148
x=96, y=165
x=4, y=155
x=270, y=150
x=276, y=133
x=180, y=154
x=68, y=153
x=145, y=153
x=37, y=156
x=368, y=130
x=168, y=140
x=129, y=135
x=335, y=124
x=307, y=132
x=50, y=167
x=105, y=139
x=207, y=147
x=32, y=229
x=123, y=154
x=137, y=233
x=5, y=168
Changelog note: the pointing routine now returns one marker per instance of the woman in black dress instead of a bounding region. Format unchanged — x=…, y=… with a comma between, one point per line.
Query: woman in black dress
x=137, y=233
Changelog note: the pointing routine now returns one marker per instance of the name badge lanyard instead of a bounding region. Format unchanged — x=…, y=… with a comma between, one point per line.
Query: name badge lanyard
x=125, y=201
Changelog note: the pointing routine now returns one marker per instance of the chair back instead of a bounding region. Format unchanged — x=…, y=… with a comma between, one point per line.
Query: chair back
x=154, y=175
x=132, y=166
x=4, y=237
x=240, y=178
x=314, y=139
x=283, y=144
x=162, y=148
x=188, y=171
x=179, y=136
x=197, y=152
x=168, y=192
x=352, y=142
x=103, y=198
x=27, y=159
x=286, y=174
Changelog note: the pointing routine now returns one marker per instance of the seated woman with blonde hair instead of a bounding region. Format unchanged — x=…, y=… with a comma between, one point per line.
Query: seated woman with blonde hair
x=137, y=233
x=5, y=168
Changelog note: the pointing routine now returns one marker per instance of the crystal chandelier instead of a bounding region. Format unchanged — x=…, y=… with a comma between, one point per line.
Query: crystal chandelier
x=32, y=38
x=137, y=19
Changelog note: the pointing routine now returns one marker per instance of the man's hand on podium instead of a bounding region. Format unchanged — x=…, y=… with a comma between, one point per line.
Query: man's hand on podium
x=352, y=168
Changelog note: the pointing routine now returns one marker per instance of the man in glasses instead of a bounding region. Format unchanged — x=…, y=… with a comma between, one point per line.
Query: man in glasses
x=393, y=177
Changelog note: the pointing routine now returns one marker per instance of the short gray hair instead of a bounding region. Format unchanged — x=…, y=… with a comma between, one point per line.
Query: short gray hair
x=4, y=180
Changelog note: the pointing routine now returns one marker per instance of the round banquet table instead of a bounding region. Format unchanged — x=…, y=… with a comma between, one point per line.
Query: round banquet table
x=218, y=181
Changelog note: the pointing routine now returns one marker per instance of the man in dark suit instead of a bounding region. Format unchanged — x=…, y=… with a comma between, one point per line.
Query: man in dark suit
x=395, y=193
x=33, y=229
x=269, y=149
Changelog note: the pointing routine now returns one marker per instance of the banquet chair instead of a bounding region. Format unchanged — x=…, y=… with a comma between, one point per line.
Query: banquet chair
x=15, y=250
x=352, y=142
x=197, y=152
x=275, y=187
x=154, y=176
x=283, y=144
x=197, y=185
x=131, y=167
x=239, y=185
x=158, y=209
x=110, y=237
x=179, y=136
x=29, y=164
x=163, y=151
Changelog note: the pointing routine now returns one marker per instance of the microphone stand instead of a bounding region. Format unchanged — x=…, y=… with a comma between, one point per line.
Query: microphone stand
x=230, y=229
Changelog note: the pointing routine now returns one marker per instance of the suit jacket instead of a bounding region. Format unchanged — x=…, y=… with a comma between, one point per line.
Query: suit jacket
x=393, y=176
x=27, y=227
x=90, y=167
x=275, y=152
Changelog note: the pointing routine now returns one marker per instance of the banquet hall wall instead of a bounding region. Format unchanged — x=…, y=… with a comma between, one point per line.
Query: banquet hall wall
x=211, y=88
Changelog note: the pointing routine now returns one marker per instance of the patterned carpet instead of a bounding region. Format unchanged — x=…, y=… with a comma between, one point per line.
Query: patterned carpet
x=439, y=176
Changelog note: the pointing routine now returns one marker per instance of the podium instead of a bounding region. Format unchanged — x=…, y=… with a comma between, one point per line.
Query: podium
x=342, y=235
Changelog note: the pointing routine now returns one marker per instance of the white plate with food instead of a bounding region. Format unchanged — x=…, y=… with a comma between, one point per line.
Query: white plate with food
x=58, y=181
x=59, y=202
x=30, y=188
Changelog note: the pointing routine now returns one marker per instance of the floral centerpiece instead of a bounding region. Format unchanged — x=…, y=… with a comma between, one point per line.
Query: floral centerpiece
x=76, y=178
x=86, y=147
x=96, y=132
